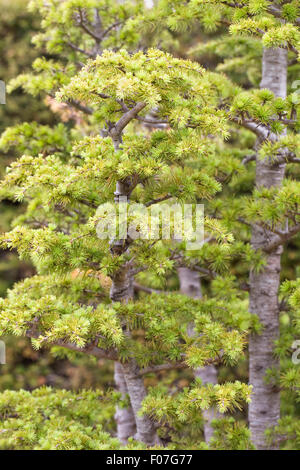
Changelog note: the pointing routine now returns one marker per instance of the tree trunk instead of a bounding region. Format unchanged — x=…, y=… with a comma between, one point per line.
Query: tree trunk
x=135, y=384
x=264, y=409
x=208, y=375
x=190, y=285
x=189, y=281
x=127, y=377
x=121, y=291
x=124, y=417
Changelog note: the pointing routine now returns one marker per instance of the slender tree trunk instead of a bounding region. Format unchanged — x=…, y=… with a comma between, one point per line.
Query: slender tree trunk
x=264, y=409
x=127, y=375
x=124, y=417
x=190, y=285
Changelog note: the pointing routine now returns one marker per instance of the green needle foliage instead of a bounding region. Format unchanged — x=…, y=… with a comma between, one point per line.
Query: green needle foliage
x=64, y=175
x=153, y=128
x=264, y=130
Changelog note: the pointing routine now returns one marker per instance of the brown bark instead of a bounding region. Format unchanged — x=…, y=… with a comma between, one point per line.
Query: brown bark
x=264, y=409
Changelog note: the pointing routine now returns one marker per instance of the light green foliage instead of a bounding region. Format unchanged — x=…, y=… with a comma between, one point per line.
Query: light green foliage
x=180, y=88
x=54, y=308
x=72, y=31
x=273, y=136
x=63, y=190
x=86, y=22
x=207, y=125
x=184, y=405
x=247, y=16
x=175, y=411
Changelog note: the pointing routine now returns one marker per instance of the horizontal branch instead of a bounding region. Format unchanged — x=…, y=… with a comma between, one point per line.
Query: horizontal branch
x=286, y=121
x=154, y=122
x=81, y=107
x=159, y=368
x=259, y=129
x=286, y=157
x=206, y=272
x=275, y=11
x=79, y=49
x=76, y=104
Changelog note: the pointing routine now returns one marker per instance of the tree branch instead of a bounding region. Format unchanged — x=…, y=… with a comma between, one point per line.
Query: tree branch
x=278, y=13
x=148, y=290
x=76, y=104
x=259, y=129
x=287, y=157
x=249, y=158
x=281, y=239
x=78, y=49
x=107, y=30
x=86, y=29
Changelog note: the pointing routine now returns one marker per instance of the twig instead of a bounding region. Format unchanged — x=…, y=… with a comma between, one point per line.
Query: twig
x=281, y=239
x=171, y=366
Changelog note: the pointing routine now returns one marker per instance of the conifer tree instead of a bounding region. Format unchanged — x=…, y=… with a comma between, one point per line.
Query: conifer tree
x=110, y=155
